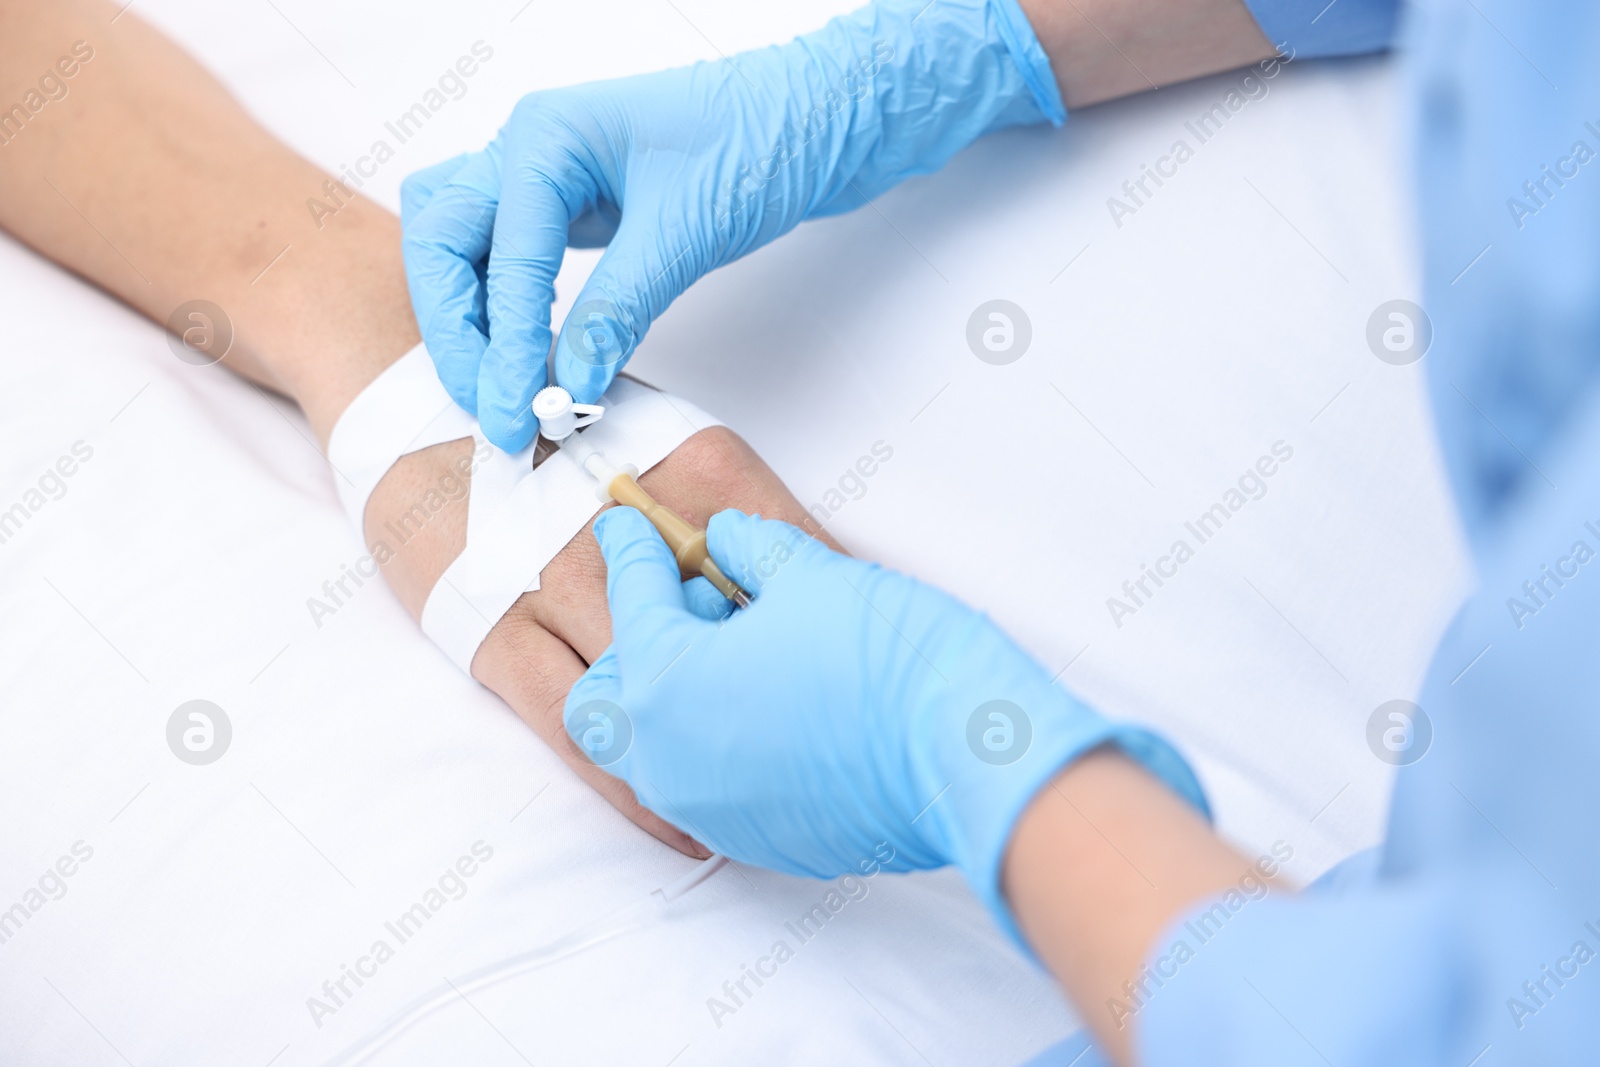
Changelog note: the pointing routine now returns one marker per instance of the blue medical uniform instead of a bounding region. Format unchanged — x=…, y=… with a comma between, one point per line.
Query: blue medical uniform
x=1474, y=938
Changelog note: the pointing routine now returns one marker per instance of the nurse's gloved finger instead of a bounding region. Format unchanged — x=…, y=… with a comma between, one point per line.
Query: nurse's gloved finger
x=508, y=378
x=594, y=228
x=650, y=620
x=541, y=194
x=635, y=280
x=594, y=717
x=444, y=244
x=706, y=600
x=419, y=186
x=533, y=670
x=757, y=552
x=602, y=729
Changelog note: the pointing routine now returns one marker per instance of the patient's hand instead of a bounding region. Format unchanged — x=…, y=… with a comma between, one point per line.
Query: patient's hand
x=318, y=326
x=547, y=639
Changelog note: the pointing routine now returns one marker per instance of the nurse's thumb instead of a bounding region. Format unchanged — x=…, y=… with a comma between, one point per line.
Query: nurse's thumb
x=593, y=713
x=634, y=282
x=757, y=552
x=650, y=619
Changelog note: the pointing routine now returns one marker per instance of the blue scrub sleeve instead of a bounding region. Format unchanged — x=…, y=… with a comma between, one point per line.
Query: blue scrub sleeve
x=1380, y=976
x=1307, y=29
x=1475, y=940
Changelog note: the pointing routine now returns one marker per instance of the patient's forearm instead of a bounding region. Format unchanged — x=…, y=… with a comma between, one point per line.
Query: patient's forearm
x=156, y=185
x=149, y=180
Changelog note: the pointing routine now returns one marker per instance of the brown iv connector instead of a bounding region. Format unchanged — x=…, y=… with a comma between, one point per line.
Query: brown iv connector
x=688, y=544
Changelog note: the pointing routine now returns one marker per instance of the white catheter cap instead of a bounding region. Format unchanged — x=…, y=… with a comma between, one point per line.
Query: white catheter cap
x=558, y=416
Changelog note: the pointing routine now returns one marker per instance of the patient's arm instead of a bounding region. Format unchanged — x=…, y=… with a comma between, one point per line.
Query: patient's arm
x=150, y=181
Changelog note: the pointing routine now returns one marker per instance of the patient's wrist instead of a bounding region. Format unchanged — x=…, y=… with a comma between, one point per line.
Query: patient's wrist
x=522, y=515
x=416, y=520
x=333, y=313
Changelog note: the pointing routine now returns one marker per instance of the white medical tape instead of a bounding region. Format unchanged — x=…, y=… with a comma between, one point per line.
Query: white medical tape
x=402, y=410
x=518, y=518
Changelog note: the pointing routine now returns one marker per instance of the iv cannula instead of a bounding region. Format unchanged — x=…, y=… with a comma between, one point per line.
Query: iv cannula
x=559, y=420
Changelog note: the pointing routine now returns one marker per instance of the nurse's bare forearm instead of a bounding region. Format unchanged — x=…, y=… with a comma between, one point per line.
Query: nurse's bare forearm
x=1103, y=859
x=1103, y=49
x=149, y=180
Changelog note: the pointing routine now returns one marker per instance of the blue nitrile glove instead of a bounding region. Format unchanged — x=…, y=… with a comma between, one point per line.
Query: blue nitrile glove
x=847, y=709
x=683, y=171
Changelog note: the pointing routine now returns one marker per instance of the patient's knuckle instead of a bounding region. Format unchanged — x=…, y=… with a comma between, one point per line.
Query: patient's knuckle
x=519, y=618
x=578, y=565
x=717, y=458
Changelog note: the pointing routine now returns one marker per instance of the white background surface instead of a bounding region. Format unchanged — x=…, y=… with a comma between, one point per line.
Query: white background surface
x=1225, y=315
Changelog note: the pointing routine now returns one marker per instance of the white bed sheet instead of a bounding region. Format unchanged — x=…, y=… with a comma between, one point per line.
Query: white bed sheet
x=1227, y=314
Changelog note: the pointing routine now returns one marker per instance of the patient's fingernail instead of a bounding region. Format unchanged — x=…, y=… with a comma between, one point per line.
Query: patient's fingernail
x=700, y=851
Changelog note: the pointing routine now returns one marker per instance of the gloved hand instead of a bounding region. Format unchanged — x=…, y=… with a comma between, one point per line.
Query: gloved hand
x=685, y=170
x=848, y=708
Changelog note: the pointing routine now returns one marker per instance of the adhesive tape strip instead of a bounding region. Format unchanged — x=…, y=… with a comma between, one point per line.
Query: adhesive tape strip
x=402, y=410
x=518, y=518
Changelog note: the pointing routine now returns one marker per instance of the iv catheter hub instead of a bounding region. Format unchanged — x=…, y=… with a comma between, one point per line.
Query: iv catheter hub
x=560, y=419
